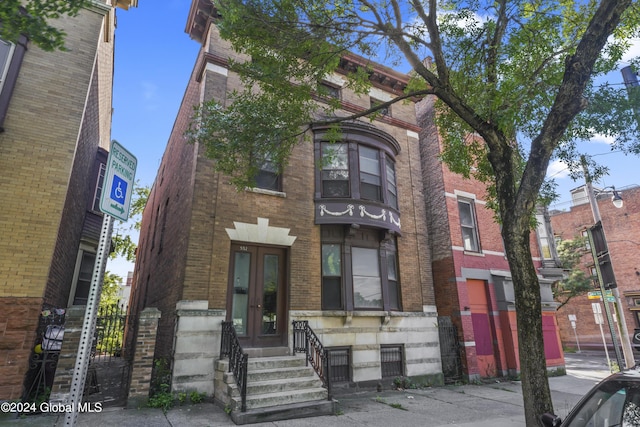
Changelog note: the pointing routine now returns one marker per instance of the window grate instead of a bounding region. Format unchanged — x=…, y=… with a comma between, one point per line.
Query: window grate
x=391, y=361
x=340, y=361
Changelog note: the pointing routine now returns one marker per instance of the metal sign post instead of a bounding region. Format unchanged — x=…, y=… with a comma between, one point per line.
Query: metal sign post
x=572, y=319
x=597, y=314
x=115, y=201
x=89, y=324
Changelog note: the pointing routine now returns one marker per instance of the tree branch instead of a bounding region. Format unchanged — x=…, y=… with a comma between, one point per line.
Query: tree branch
x=569, y=100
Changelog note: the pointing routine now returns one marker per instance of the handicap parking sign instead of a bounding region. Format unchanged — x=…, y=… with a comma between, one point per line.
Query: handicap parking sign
x=118, y=189
x=118, y=182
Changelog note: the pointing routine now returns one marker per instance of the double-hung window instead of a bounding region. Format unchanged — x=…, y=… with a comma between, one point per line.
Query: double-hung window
x=356, y=203
x=332, y=276
x=102, y=168
x=335, y=170
x=367, y=287
x=468, y=225
x=543, y=238
x=268, y=176
x=392, y=189
x=370, y=180
x=83, y=276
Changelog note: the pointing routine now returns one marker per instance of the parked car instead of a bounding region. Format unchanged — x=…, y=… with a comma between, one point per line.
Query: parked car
x=614, y=402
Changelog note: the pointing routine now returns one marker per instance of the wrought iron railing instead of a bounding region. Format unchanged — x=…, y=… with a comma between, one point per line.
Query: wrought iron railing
x=306, y=341
x=230, y=347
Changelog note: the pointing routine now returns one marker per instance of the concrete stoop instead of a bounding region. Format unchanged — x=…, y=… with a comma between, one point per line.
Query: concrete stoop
x=284, y=412
x=278, y=388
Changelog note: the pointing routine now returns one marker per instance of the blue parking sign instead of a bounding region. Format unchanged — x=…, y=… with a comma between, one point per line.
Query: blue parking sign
x=118, y=189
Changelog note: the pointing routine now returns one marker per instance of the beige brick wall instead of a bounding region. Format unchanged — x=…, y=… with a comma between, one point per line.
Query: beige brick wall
x=36, y=154
x=51, y=123
x=194, y=261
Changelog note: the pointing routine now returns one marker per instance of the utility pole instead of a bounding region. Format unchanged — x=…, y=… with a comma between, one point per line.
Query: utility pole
x=626, y=343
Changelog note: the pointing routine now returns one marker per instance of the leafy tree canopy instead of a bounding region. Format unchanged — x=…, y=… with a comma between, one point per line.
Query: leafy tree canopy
x=521, y=75
x=576, y=282
x=123, y=243
x=497, y=68
x=32, y=19
x=110, y=289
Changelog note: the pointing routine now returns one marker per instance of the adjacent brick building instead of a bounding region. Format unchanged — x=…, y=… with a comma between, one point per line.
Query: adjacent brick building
x=342, y=246
x=472, y=280
x=622, y=231
x=55, y=126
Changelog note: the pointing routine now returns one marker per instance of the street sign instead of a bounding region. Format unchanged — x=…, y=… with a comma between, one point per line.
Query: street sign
x=597, y=313
x=118, y=182
x=598, y=295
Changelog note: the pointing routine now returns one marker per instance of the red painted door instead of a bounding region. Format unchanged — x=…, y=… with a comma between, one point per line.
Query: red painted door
x=482, y=330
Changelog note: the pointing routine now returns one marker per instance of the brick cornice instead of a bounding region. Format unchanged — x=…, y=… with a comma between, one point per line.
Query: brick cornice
x=209, y=58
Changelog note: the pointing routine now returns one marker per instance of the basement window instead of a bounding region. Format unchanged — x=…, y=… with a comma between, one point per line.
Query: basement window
x=391, y=361
x=340, y=364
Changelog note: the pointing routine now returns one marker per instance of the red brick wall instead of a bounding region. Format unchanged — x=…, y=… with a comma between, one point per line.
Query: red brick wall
x=445, y=239
x=17, y=335
x=160, y=263
x=622, y=230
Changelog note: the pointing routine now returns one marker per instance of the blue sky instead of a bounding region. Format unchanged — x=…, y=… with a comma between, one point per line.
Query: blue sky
x=154, y=58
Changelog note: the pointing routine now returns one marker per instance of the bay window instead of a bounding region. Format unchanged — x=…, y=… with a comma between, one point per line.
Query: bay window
x=359, y=269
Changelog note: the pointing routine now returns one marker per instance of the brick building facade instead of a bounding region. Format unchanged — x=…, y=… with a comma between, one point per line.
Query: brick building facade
x=55, y=126
x=622, y=231
x=471, y=274
x=349, y=257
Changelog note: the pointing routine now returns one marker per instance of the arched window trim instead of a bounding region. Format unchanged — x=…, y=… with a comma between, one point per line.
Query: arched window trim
x=360, y=133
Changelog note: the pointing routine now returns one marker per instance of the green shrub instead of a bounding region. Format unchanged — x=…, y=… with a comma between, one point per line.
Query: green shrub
x=161, y=399
x=196, y=397
x=403, y=383
x=182, y=397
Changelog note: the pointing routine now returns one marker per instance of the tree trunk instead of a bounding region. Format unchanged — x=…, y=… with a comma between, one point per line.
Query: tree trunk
x=533, y=370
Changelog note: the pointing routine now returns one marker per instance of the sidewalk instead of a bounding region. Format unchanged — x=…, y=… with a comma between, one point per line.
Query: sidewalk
x=497, y=404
